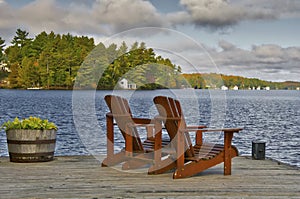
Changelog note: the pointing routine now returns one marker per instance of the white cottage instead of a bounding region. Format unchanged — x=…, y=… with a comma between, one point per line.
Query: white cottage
x=224, y=88
x=235, y=88
x=124, y=84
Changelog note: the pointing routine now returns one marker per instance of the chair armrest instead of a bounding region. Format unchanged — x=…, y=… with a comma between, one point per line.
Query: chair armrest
x=117, y=115
x=225, y=130
x=140, y=125
x=167, y=118
x=228, y=133
x=195, y=128
x=109, y=114
x=204, y=129
x=135, y=120
x=142, y=120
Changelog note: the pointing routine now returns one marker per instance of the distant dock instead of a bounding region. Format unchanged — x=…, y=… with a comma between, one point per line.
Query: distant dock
x=34, y=88
x=83, y=177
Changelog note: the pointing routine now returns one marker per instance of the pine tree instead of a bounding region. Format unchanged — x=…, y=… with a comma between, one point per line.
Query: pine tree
x=21, y=38
x=2, y=45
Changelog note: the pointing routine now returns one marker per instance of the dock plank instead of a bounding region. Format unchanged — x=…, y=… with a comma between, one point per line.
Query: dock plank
x=83, y=177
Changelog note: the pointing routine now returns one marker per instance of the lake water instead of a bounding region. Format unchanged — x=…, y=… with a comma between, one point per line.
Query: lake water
x=269, y=116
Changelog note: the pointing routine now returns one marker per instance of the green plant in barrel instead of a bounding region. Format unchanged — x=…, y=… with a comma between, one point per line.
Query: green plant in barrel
x=29, y=123
x=30, y=140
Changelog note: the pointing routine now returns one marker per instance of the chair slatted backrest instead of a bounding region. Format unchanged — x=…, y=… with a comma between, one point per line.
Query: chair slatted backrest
x=119, y=107
x=170, y=110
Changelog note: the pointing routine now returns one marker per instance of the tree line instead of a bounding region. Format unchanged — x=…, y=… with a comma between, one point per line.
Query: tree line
x=138, y=65
x=48, y=60
x=52, y=61
x=213, y=80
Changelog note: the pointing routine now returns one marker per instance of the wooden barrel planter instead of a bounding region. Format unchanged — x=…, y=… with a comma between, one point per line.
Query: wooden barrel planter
x=31, y=145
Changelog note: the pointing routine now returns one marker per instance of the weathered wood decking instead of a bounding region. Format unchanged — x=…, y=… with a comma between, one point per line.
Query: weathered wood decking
x=82, y=177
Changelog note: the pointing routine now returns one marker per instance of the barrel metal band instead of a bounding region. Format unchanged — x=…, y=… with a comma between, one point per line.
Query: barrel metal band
x=18, y=155
x=31, y=141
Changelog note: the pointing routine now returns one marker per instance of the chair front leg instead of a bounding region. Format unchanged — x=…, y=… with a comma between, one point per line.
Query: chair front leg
x=110, y=136
x=228, y=135
x=180, y=150
x=149, y=129
x=157, y=142
x=128, y=141
x=112, y=158
x=199, y=138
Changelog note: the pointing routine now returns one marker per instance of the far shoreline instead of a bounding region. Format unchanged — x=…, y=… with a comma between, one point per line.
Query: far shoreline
x=91, y=89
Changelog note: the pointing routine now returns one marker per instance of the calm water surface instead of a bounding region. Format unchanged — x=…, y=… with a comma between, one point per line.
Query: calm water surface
x=270, y=116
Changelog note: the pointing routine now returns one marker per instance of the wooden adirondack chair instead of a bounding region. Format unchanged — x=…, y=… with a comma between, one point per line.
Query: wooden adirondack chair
x=192, y=159
x=136, y=153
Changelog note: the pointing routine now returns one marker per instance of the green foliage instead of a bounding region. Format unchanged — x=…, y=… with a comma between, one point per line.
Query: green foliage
x=213, y=80
x=2, y=45
x=13, y=76
x=139, y=65
x=3, y=78
x=21, y=38
x=3, y=74
x=30, y=123
x=48, y=61
x=53, y=61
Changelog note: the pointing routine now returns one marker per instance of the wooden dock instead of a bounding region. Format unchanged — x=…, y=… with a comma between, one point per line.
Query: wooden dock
x=83, y=177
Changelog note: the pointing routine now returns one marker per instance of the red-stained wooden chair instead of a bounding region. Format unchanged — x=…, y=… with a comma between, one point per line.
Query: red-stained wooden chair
x=193, y=158
x=137, y=153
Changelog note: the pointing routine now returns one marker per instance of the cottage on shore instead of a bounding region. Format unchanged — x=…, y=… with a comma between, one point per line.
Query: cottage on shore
x=235, y=88
x=124, y=84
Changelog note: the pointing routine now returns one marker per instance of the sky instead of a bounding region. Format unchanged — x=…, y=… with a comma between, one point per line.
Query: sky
x=250, y=38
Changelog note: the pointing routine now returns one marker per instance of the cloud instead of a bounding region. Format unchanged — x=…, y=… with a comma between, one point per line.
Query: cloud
x=212, y=12
x=220, y=14
x=122, y=15
x=7, y=17
x=180, y=17
x=107, y=17
x=278, y=8
x=226, y=46
x=269, y=62
x=103, y=17
x=41, y=15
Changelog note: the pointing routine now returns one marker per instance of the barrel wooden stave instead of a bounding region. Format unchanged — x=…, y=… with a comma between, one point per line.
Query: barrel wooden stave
x=31, y=145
